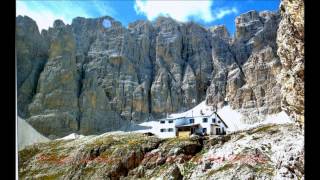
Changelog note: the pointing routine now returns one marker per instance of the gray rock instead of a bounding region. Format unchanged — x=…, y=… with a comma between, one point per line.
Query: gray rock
x=290, y=40
x=246, y=68
x=55, y=105
x=31, y=54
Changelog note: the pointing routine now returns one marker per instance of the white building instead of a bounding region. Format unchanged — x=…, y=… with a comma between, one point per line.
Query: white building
x=184, y=126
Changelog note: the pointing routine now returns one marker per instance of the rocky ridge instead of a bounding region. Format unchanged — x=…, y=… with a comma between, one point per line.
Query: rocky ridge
x=266, y=152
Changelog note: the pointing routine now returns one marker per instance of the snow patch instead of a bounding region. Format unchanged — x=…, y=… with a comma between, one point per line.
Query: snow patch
x=27, y=135
x=72, y=136
x=200, y=110
x=232, y=118
x=153, y=125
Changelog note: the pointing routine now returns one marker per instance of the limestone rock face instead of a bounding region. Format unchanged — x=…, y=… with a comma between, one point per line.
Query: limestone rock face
x=182, y=55
x=254, y=31
x=143, y=59
x=256, y=91
x=223, y=61
x=290, y=42
x=246, y=67
x=113, y=75
x=31, y=55
x=55, y=106
x=108, y=80
x=257, y=74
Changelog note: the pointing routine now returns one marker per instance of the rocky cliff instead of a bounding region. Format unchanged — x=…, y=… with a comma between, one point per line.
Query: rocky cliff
x=247, y=67
x=290, y=41
x=31, y=55
x=91, y=78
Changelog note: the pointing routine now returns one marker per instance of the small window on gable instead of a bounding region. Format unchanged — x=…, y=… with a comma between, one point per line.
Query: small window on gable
x=170, y=121
x=162, y=122
x=191, y=120
x=213, y=120
x=170, y=130
x=205, y=120
x=219, y=121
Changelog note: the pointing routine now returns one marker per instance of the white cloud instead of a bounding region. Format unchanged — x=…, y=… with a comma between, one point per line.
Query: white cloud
x=181, y=10
x=44, y=18
x=46, y=12
x=225, y=11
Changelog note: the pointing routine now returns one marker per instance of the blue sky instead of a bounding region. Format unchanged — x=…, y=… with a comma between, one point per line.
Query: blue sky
x=204, y=12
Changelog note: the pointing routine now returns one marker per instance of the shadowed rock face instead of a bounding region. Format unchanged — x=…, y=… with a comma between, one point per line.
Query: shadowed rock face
x=101, y=78
x=55, y=106
x=31, y=55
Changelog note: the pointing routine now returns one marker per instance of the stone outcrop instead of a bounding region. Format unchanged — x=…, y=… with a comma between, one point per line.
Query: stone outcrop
x=290, y=42
x=266, y=152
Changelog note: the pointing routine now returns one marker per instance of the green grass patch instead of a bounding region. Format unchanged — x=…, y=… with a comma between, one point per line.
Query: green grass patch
x=240, y=137
x=261, y=129
x=220, y=169
x=53, y=176
x=27, y=153
x=188, y=167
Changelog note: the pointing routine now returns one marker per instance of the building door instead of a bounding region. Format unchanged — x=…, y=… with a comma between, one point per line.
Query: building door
x=217, y=131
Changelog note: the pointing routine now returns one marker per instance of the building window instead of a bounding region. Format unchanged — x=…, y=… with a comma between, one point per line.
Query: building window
x=170, y=130
x=162, y=122
x=191, y=120
x=162, y=130
x=205, y=120
x=204, y=130
x=213, y=120
x=170, y=121
x=219, y=121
